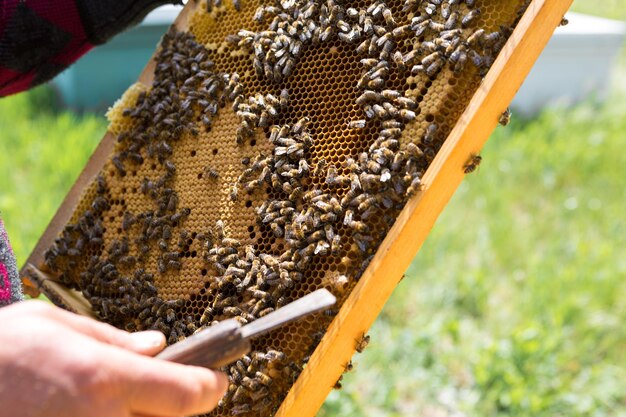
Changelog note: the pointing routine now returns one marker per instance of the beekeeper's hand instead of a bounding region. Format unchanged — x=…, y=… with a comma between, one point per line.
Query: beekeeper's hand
x=57, y=364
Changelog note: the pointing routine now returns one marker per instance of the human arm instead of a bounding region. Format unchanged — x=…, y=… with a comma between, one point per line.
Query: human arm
x=40, y=38
x=56, y=364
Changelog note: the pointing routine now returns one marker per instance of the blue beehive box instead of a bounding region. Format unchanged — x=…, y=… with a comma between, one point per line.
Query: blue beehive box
x=102, y=76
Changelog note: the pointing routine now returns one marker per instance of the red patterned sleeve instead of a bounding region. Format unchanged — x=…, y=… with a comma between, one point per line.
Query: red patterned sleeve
x=10, y=286
x=40, y=38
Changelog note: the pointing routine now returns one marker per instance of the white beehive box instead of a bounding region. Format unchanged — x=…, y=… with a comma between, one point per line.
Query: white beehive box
x=575, y=65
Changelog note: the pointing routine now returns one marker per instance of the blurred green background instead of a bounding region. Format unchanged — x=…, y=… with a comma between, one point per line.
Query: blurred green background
x=515, y=305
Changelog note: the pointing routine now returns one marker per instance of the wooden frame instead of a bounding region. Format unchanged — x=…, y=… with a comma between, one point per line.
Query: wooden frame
x=411, y=227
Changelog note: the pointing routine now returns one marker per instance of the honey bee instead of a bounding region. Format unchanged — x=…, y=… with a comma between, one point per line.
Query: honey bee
x=431, y=132
x=128, y=220
x=477, y=59
x=232, y=311
x=183, y=214
x=451, y=21
x=234, y=193
x=176, y=265
x=263, y=378
x=388, y=16
x=362, y=342
x=436, y=26
x=250, y=383
x=275, y=355
x=171, y=256
x=240, y=409
x=169, y=166
x=207, y=314
x=235, y=377
x=172, y=202
x=356, y=124
x=407, y=115
x=470, y=18
x=339, y=283
x=434, y=68
x=459, y=59
x=211, y=173
x=376, y=83
x=241, y=392
x=446, y=10
x=352, y=36
x=127, y=261
x=119, y=165
x=320, y=167
x=419, y=25
x=357, y=226
x=477, y=37
x=505, y=118
x=414, y=187
x=331, y=178
x=431, y=8
x=472, y=164
x=282, y=301
x=101, y=185
x=492, y=38
x=401, y=31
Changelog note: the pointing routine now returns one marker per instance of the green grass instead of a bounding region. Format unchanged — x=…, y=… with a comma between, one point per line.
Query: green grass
x=42, y=151
x=612, y=9
x=515, y=305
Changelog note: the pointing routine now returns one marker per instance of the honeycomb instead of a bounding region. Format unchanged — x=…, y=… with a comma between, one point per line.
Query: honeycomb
x=270, y=156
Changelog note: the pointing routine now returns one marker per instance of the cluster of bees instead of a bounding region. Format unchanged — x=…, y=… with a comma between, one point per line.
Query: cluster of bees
x=259, y=111
x=253, y=390
x=316, y=208
x=117, y=280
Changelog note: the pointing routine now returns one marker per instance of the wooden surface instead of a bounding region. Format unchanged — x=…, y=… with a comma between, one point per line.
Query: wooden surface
x=57, y=293
x=417, y=218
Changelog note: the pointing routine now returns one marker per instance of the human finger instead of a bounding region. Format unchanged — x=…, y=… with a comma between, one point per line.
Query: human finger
x=156, y=387
x=146, y=343
x=147, y=415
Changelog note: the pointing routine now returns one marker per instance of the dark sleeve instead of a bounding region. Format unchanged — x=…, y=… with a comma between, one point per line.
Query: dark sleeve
x=10, y=285
x=40, y=38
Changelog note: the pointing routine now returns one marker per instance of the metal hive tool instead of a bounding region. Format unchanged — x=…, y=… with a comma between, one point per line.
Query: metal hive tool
x=267, y=151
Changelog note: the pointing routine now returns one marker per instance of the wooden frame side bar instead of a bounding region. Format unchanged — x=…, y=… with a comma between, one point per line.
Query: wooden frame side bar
x=419, y=215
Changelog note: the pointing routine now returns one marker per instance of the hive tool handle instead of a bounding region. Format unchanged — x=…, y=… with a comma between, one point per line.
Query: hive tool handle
x=226, y=341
